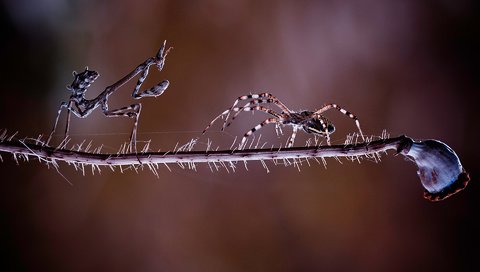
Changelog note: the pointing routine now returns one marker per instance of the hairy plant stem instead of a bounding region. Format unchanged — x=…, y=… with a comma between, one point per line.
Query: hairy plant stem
x=439, y=168
x=46, y=153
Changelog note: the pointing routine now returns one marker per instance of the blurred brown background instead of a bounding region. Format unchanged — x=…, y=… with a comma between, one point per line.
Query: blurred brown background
x=410, y=67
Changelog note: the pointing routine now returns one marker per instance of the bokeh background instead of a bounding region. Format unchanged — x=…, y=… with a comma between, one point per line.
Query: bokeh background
x=410, y=67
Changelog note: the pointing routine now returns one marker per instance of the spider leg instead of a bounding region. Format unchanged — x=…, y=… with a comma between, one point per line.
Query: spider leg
x=325, y=130
x=132, y=111
x=292, y=138
x=238, y=110
x=257, y=127
x=278, y=129
x=215, y=119
x=343, y=111
x=270, y=99
x=251, y=108
x=250, y=104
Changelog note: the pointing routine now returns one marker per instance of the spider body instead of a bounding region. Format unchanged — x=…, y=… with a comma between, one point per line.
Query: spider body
x=312, y=125
x=82, y=107
x=308, y=121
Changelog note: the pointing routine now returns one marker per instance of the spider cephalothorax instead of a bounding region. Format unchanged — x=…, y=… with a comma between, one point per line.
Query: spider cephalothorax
x=315, y=125
x=309, y=121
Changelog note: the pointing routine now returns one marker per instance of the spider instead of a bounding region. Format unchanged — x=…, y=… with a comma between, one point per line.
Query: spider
x=309, y=121
x=82, y=107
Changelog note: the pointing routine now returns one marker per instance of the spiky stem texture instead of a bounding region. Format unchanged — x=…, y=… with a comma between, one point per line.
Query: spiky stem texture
x=439, y=168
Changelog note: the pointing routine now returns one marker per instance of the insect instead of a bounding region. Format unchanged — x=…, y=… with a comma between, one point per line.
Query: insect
x=82, y=107
x=308, y=121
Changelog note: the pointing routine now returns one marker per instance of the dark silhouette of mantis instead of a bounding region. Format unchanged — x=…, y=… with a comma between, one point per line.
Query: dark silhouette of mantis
x=82, y=107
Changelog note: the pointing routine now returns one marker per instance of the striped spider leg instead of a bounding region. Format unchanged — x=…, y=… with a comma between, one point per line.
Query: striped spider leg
x=327, y=107
x=82, y=107
x=256, y=99
x=308, y=121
